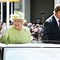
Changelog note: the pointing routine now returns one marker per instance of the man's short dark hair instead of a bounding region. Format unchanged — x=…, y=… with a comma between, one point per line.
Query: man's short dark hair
x=57, y=8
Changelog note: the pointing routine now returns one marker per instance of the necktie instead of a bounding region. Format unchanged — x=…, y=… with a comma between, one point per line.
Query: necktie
x=59, y=24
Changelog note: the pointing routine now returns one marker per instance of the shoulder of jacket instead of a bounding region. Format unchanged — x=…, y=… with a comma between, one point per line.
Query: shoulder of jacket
x=9, y=28
x=49, y=20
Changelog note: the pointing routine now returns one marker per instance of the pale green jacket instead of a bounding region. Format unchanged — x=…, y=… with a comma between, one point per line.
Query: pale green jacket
x=13, y=36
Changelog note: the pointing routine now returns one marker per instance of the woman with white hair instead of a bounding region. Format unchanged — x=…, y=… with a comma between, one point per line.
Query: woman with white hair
x=17, y=34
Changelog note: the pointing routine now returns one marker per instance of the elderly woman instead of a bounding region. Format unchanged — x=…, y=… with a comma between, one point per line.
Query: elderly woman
x=17, y=34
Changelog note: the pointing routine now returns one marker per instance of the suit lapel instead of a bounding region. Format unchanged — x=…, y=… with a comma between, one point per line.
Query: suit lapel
x=55, y=26
x=54, y=22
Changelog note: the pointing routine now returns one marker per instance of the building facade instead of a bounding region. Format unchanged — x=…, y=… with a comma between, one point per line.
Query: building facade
x=32, y=9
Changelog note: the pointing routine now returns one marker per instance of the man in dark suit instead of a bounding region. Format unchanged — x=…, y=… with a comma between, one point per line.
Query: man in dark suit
x=51, y=28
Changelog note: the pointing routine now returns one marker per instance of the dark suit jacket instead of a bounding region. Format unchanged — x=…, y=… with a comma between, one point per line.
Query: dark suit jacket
x=51, y=31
